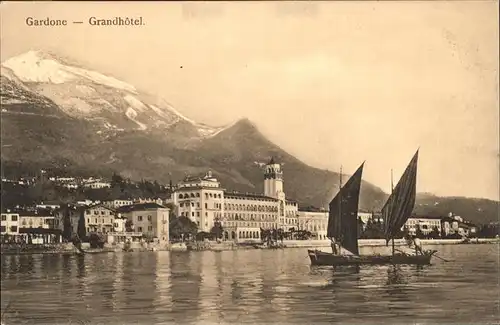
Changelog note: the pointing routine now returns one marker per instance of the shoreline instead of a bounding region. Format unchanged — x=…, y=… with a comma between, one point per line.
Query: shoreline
x=68, y=249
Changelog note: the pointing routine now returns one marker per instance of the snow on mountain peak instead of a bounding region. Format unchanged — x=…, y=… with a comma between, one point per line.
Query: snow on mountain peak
x=35, y=66
x=75, y=90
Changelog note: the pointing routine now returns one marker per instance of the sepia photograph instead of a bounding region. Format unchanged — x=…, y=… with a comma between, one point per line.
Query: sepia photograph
x=250, y=162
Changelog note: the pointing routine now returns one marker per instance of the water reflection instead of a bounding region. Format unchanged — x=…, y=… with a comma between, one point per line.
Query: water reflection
x=185, y=287
x=255, y=286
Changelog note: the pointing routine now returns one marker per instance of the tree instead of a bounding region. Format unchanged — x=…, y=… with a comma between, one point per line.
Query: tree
x=67, y=228
x=201, y=236
x=265, y=235
x=419, y=232
x=373, y=230
x=82, y=232
x=434, y=233
x=280, y=234
x=116, y=180
x=129, y=226
x=406, y=232
x=217, y=231
x=180, y=227
x=96, y=241
x=303, y=234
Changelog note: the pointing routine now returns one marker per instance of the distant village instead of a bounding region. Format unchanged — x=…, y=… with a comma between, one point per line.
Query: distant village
x=198, y=207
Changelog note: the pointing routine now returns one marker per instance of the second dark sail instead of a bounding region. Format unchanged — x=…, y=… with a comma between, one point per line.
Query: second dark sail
x=399, y=206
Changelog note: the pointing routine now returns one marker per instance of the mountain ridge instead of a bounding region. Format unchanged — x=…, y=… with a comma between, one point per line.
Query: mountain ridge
x=40, y=130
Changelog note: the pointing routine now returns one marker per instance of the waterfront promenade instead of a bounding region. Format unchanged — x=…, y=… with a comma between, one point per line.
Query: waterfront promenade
x=68, y=248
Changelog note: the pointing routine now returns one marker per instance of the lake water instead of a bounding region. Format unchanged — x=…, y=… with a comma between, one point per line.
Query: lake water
x=248, y=286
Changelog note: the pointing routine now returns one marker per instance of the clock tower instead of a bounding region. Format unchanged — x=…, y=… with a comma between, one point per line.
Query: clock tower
x=273, y=180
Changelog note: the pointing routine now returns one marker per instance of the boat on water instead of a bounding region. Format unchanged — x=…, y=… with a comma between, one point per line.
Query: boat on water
x=343, y=223
x=319, y=258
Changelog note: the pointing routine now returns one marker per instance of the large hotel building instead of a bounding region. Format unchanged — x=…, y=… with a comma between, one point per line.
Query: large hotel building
x=243, y=215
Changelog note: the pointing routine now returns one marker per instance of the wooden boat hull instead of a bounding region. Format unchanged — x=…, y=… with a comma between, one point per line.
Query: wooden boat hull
x=319, y=258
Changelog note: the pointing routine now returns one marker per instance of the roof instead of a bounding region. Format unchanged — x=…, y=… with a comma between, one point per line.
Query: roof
x=72, y=207
x=197, y=187
x=49, y=203
x=140, y=207
x=38, y=213
x=99, y=205
x=249, y=195
x=310, y=208
x=425, y=217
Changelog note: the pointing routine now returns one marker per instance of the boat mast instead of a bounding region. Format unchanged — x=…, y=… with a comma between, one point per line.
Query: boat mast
x=340, y=211
x=392, y=190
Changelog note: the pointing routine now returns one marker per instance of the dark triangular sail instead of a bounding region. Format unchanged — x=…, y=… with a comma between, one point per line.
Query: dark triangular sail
x=399, y=206
x=343, y=216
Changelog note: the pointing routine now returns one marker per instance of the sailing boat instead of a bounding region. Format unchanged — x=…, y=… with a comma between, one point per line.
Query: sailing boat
x=398, y=209
x=342, y=222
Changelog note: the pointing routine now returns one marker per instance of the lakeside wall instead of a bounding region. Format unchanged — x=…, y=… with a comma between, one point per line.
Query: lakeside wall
x=381, y=242
x=364, y=244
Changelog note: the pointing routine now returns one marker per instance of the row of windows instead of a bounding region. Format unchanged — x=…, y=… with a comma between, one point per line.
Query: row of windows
x=313, y=228
x=139, y=229
x=139, y=218
x=186, y=214
x=12, y=229
x=207, y=195
x=187, y=204
x=434, y=222
x=13, y=217
x=250, y=198
x=104, y=230
x=265, y=225
x=252, y=207
x=96, y=212
x=40, y=222
x=244, y=216
x=242, y=234
x=100, y=220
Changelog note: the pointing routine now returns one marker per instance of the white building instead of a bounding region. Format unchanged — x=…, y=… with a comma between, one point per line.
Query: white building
x=148, y=200
x=83, y=220
x=99, y=219
x=200, y=199
x=456, y=225
x=9, y=224
x=150, y=219
x=119, y=224
x=315, y=222
x=426, y=224
x=97, y=185
x=115, y=204
x=242, y=215
x=48, y=205
x=36, y=220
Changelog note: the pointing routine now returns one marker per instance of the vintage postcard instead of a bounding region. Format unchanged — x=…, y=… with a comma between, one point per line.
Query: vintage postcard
x=250, y=162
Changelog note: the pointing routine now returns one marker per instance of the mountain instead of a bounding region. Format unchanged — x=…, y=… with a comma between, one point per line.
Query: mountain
x=61, y=116
x=479, y=211
x=81, y=93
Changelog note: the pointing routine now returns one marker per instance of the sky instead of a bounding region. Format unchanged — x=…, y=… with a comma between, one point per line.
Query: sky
x=333, y=83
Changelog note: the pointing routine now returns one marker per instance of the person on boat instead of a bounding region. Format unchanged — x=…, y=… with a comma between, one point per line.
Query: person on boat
x=418, y=246
x=334, y=246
